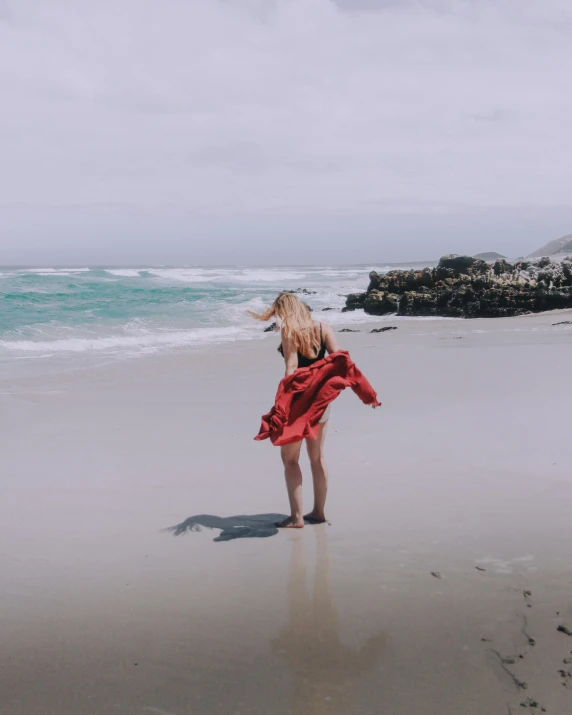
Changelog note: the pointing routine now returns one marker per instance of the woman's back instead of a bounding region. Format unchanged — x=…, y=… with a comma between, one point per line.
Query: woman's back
x=306, y=360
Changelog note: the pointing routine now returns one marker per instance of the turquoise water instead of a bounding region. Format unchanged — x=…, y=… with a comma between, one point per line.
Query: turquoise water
x=129, y=311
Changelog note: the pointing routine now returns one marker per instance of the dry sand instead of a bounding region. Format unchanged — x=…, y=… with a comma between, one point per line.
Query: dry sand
x=465, y=472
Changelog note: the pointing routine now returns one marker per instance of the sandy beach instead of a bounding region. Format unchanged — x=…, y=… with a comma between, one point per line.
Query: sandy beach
x=438, y=587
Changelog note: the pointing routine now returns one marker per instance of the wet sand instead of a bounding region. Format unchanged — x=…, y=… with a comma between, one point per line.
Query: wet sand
x=437, y=588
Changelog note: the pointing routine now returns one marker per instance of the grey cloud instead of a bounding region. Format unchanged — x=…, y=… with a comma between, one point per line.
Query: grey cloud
x=281, y=107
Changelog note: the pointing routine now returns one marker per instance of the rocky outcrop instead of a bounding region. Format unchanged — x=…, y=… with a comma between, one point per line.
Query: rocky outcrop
x=467, y=287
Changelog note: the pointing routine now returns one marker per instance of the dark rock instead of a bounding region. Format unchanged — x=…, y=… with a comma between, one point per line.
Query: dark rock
x=375, y=281
x=564, y=629
x=463, y=286
x=380, y=303
x=324, y=309
x=564, y=322
x=271, y=328
x=457, y=263
x=383, y=330
x=480, y=266
x=442, y=273
x=501, y=266
x=421, y=303
x=301, y=291
x=348, y=330
x=436, y=574
x=354, y=301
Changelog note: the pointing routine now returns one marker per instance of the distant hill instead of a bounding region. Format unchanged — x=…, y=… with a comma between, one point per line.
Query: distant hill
x=560, y=245
x=489, y=256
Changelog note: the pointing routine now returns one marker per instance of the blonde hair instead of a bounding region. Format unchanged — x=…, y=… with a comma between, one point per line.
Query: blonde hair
x=296, y=321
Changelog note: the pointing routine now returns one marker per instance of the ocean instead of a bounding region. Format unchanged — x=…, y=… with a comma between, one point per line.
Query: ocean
x=129, y=312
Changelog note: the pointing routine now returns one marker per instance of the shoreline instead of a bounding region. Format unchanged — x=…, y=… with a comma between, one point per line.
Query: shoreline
x=74, y=362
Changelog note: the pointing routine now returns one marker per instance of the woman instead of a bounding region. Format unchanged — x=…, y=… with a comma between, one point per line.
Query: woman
x=305, y=343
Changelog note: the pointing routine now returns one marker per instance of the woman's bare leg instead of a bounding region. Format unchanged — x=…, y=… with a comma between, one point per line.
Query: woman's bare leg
x=290, y=454
x=315, y=449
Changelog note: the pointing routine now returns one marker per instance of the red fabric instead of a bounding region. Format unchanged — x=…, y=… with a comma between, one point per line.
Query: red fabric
x=302, y=398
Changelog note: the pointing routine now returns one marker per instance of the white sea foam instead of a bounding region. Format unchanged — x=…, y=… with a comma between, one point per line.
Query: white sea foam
x=218, y=275
x=167, y=339
x=125, y=272
x=182, y=275
x=38, y=270
x=266, y=276
x=340, y=273
x=59, y=274
x=238, y=312
x=54, y=271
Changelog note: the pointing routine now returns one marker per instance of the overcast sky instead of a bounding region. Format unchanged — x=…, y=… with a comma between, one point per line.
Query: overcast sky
x=290, y=131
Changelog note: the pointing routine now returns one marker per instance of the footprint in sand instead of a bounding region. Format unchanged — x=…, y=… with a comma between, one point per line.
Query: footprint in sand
x=566, y=676
x=531, y=703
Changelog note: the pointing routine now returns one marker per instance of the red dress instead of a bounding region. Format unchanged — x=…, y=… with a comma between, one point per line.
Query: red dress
x=302, y=398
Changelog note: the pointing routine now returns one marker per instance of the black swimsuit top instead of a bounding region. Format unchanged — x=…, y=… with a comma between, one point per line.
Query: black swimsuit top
x=304, y=361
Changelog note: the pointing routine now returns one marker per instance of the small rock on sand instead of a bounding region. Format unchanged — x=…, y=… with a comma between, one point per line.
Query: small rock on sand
x=383, y=330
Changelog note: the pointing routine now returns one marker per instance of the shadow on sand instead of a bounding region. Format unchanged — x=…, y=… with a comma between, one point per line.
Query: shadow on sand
x=245, y=526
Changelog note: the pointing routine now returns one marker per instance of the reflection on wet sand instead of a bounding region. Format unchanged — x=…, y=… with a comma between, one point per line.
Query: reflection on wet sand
x=323, y=668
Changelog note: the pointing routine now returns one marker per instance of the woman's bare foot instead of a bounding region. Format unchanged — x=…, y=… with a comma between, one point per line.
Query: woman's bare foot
x=315, y=517
x=289, y=523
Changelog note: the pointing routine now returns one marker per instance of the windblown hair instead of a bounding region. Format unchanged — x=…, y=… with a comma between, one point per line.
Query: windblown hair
x=297, y=323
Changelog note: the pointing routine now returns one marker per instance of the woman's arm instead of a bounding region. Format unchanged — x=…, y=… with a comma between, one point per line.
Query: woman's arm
x=290, y=354
x=330, y=339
